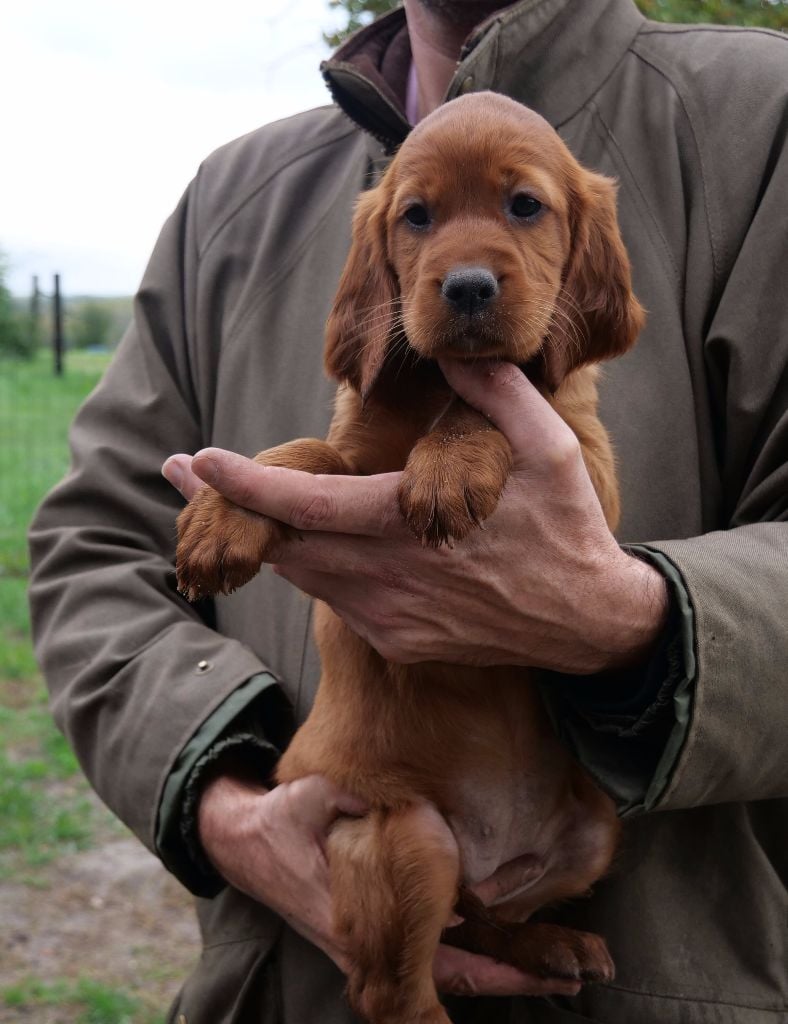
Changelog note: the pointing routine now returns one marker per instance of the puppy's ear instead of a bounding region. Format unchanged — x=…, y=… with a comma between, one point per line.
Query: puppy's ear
x=358, y=327
x=601, y=318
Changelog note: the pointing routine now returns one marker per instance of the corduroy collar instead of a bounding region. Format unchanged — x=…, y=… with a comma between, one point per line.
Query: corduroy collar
x=551, y=55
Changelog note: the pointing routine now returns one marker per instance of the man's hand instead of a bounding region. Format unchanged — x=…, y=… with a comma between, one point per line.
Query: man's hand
x=543, y=584
x=271, y=845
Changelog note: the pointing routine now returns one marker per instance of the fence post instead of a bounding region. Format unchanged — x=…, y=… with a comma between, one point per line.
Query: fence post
x=35, y=314
x=57, y=324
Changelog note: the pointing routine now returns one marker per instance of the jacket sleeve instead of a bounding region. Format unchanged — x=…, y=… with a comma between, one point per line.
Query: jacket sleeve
x=733, y=746
x=627, y=726
x=133, y=670
x=726, y=740
x=737, y=576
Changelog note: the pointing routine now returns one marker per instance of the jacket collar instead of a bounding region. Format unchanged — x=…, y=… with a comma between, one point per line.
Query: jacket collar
x=551, y=55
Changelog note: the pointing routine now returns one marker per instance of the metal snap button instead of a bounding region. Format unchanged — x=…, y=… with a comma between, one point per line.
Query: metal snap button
x=204, y=666
x=467, y=85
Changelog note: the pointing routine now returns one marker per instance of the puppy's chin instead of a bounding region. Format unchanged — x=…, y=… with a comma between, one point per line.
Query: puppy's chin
x=470, y=341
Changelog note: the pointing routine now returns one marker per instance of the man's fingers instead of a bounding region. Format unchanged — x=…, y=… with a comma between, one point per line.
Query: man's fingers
x=468, y=974
x=178, y=471
x=502, y=393
x=316, y=802
x=335, y=504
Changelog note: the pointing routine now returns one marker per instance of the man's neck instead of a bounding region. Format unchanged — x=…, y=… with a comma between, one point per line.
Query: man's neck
x=435, y=43
x=437, y=30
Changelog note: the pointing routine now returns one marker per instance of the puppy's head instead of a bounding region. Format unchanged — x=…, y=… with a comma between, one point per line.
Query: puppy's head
x=485, y=238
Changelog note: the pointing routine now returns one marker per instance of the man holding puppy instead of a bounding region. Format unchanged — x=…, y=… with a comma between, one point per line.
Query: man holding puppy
x=663, y=671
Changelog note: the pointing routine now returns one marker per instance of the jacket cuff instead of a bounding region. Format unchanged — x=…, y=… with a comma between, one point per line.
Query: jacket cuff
x=257, y=721
x=627, y=728
x=245, y=747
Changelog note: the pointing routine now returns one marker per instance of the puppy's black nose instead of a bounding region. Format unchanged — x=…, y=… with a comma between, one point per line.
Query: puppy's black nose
x=470, y=289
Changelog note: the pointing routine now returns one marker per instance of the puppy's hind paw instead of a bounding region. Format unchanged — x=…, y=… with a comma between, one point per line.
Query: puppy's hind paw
x=553, y=951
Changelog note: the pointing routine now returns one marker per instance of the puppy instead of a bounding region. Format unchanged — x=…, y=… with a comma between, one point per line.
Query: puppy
x=484, y=238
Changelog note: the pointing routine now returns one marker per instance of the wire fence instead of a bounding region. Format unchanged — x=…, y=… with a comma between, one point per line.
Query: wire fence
x=36, y=408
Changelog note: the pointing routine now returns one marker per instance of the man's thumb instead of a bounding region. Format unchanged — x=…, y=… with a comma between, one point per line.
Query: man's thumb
x=501, y=392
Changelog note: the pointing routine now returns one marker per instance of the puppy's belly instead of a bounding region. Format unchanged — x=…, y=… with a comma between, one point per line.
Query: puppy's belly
x=497, y=822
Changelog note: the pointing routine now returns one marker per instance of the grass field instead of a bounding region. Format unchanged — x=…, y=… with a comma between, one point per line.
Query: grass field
x=36, y=409
x=35, y=412
x=49, y=819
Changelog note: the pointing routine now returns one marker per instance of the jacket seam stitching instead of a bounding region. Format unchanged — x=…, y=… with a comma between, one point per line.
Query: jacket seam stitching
x=212, y=236
x=738, y=29
x=254, y=937
x=770, y=1008
x=707, y=202
x=590, y=99
x=632, y=179
x=238, y=324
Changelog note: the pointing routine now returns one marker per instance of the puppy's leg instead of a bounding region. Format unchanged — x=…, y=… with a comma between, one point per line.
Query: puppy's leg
x=582, y=855
x=393, y=881
x=221, y=545
x=454, y=476
x=548, y=950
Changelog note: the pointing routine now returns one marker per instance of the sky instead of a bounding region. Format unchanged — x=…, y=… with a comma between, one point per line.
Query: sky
x=108, y=107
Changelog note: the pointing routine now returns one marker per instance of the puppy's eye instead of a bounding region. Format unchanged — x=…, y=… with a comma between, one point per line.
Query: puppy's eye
x=524, y=207
x=417, y=216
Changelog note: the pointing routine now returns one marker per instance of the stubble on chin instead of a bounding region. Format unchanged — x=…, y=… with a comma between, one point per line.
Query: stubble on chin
x=465, y=11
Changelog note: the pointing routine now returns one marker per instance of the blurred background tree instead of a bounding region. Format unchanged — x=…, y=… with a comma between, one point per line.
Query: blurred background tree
x=91, y=325
x=359, y=12
x=17, y=340
x=762, y=13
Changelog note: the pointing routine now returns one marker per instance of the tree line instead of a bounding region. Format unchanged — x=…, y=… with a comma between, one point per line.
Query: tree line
x=88, y=322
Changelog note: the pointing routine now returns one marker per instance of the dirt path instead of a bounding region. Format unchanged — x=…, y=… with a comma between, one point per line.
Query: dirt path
x=111, y=914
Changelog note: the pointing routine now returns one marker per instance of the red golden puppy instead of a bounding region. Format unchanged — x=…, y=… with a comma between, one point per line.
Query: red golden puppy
x=485, y=238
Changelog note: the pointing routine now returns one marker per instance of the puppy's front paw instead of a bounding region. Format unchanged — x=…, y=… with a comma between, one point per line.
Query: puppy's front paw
x=447, y=490
x=439, y=512
x=220, y=545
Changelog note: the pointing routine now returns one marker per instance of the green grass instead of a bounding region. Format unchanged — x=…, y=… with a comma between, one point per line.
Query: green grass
x=44, y=810
x=36, y=409
x=16, y=654
x=95, y=1002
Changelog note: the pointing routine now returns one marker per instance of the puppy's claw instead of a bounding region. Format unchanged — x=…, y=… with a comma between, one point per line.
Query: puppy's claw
x=440, y=514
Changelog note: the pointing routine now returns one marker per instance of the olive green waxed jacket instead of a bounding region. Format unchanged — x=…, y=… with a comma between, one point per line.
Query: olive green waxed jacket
x=226, y=349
